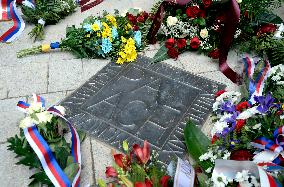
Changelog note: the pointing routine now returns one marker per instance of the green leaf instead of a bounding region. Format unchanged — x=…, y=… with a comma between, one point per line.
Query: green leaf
x=40, y=178
x=160, y=55
x=197, y=143
x=102, y=183
x=265, y=17
x=125, y=146
x=199, y=21
x=138, y=173
x=71, y=171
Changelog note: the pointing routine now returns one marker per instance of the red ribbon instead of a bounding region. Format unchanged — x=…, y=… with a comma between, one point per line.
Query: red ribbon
x=85, y=6
x=232, y=15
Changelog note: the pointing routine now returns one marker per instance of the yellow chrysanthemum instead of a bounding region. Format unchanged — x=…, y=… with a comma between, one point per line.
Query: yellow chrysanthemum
x=111, y=19
x=95, y=27
x=99, y=34
x=88, y=35
x=45, y=48
x=128, y=52
x=123, y=39
x=283, y=107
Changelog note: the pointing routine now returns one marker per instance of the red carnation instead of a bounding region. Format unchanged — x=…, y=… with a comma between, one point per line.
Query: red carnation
x=173, y=53
x=181, y=43
x=135, y=28
x=131, y=18
x=141, y=19
x=194, y=43
x=220, y=92
x=145, y=15
x=241, y=155
x=214, y=138
x=207, y=3
x=202, y=14
x=240, y=124
x=267, y=28
x=170, y=43
x=193, y=11
x=214, y=54
x=110, y=172
x=242, y=105
x=164, y=180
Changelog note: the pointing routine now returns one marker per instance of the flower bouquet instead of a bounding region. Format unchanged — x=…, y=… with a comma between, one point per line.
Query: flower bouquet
x=46, y=12
x=43, y=146
x=137, y=168
x=117, y=37
x=247, y=131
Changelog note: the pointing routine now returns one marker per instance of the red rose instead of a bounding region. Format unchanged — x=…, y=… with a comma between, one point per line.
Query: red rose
x=242, y=105
x=141, y=19
x=194, y=43
x=267, y=28
x=170, y=43
x=241, y=155
x=214, y=54
x=145, y=15
x=164, y=180
x=135, y=28
x=111, y=172
x=131, y=18
x=220, y=92
x=240, y=124
x=214, y=138
x=173, y=53
x=193, y=11
x=202, y=14
x=181, y=43
x=207, y=3
x=246, y=14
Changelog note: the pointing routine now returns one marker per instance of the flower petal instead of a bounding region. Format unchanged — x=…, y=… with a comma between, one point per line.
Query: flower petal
x=118, y=158
x=146, y=152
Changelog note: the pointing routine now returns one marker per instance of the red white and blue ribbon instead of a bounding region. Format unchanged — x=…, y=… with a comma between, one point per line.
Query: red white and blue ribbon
x=256, y=86
x=44, y=153
x=9, y=11
x=267, y=180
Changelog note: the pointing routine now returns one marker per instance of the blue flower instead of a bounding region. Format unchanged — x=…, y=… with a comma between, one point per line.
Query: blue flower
x=264, y=102
x=114, y=33
x=137, y=38
x=106, y=45
x=228, y=107
x=99, y=23
x=87, y=27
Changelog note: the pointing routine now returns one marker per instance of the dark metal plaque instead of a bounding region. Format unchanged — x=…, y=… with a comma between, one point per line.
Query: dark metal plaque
x=142, y=101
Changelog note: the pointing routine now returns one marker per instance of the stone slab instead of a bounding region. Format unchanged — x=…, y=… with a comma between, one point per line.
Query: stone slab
x=140, y=101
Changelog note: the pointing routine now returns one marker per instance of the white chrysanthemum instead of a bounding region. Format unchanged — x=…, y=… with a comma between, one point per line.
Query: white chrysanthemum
x=35, y=107
x=44, y=117
x=225, y=116
x=279, y=31
x=219, y=179
x=26, y=122
x=242, y=176
x=226, y=155
x=172, y=21
x=220, y=125
x=231, y=96
x=248, y=113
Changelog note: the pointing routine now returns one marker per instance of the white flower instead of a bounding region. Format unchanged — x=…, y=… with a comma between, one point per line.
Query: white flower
x=257, y=126
x=220, y=126
x=242, y=176
x=123, y=14
x=282, y=117
x=44, y=117
x=171, y=20
x=279, y=31
x=61, y=109
x=225, y=116
x=226, y=155
x=35, y=107
x=239, y=1
x=26, y=122
x=208, y=170
x=204, y=33
x=248, y=113
x=219, y=179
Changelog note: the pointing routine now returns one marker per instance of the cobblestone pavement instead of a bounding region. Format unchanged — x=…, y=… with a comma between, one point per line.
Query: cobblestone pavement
x=55, y=75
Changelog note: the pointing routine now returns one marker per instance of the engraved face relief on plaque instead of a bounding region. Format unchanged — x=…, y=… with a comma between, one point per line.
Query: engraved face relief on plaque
x=142, y=101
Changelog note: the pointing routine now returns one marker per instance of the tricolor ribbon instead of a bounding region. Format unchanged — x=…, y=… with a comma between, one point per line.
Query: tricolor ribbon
x=44, y=153
x=273, y=151
x=8, y=11
x=255, y=86
x=85, y=5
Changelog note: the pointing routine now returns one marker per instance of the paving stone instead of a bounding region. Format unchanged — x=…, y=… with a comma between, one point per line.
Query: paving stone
x=65, y=75
x=24, y=79
x=92, y=66
x=102, y=158
x=3, y=89
x=11, y=174
x=127, y=102
x=220, y=77
x=9, y=118
x=87, y=173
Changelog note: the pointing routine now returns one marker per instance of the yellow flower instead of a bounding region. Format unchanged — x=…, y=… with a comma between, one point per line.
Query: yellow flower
x=128, y=52
x=95, y=27
x=111, y=19
x=98, y=34
x=283, y=107
x=45, y=48
x=88, y=35
x=123, y=39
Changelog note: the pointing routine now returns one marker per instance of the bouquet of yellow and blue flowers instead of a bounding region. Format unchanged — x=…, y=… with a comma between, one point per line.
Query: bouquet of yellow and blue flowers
x=113, y=36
